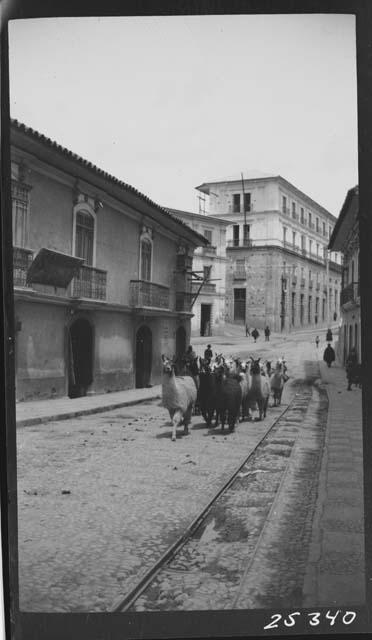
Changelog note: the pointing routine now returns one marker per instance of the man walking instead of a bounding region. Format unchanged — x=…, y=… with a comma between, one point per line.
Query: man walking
x=255, y=334
x=267, y=334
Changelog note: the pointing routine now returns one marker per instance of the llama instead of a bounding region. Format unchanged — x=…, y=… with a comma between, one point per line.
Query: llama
x=277, y=382
x=179, y=396
x=260, y=388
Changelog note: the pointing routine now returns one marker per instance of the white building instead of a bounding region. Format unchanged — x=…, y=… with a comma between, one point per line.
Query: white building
x=277, y=238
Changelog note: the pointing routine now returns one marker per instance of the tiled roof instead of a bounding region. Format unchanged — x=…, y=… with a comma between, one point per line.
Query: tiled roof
x=103, y=174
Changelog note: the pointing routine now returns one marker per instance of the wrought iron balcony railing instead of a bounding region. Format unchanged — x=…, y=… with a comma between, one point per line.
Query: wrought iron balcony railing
x=240, y=274
x=240, y=242
x=22, y=259
x=350, y=293
x=149, y=294
x=209, y=250
x=184, y=301
x=90, y=283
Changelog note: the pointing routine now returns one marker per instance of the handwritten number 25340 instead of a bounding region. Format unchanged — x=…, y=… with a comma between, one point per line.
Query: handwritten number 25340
x=314, y=618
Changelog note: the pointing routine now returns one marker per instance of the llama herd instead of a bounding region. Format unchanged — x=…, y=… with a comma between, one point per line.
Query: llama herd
x=223, y=389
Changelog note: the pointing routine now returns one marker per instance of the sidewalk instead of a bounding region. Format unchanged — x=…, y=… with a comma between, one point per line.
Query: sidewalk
x=335, y=573
x=41, y=411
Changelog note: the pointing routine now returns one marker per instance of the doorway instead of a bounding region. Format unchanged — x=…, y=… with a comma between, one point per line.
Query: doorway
x=143, y=357
x=239, y=305
x=205, y=319
x=80, y=340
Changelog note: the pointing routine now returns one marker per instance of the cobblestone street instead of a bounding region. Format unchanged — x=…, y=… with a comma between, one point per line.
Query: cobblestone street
x=101, y=497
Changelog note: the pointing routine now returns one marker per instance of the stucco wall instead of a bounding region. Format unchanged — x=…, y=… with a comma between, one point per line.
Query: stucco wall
x=40, y=351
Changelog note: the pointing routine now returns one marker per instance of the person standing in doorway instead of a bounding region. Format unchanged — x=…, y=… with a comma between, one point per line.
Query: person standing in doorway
x=317, y=341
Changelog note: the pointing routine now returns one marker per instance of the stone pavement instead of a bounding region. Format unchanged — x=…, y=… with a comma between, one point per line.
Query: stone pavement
x=40, y=411
x=335, y=574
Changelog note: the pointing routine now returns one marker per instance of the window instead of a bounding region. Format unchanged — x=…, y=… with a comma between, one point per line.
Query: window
x=302, y=272
x=84, y=236
x=284, y=234
x=310, y=274
x=317, y=225
x=208, y=235
x=236, y=235
x=317, y=249
x=207, y=272
x=303, y=243
x=247, y=202
x=236, y=203
x=284, y=204
x=329, y=231
x=293, y=209
x=310, y=246
x=324, y=228
x=309, y=217
x=146, y=258
x=20, y=212
x=302, y=215
x=294, y=237
x=293, y=269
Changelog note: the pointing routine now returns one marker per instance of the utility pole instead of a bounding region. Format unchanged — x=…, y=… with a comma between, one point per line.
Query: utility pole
x=245, y=215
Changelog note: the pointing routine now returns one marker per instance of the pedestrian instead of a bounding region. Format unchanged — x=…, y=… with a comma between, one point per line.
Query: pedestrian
x=351, y=367
x=329, y=355
x=329, y=336
x=267, y=334
x=317, y=341
x=208, y=353
x=247, y=332
x=255, y=334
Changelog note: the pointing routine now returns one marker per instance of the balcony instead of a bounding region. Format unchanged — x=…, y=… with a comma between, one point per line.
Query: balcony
x=22, y=259
x=90, y=283
x=209, y=250
x=302, y=282
x=149, y=294
x=350, y=294
x=207, y=287
x=240, y=274
x=318, y=286
x=294, y=281
x=239, y=242
x=183, y=301
x=310, y=284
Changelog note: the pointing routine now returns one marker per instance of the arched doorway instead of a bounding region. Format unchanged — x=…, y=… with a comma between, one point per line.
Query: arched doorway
x=143, y=357
x=80, y=343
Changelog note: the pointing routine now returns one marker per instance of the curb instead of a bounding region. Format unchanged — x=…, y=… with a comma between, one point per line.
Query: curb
x=29, y=422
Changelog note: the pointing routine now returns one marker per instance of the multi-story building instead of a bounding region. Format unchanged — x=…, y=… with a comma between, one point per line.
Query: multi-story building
x=280, y=273
x=345, y=238
x=209, y=269
x=100, y=284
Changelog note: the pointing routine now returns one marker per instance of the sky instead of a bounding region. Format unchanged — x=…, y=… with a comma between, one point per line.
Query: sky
x=167, y=103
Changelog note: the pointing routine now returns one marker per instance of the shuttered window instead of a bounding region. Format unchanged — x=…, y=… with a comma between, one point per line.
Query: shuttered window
x=20, y=210
x=146, y=251
x=84, y=240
